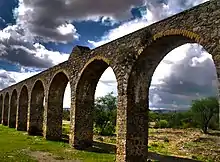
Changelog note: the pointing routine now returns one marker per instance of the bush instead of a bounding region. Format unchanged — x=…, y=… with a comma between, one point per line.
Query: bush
x=186, y=125
x=161, y=124
x=107, y=130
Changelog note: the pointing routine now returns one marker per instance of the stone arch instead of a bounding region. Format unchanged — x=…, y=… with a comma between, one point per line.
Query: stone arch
x=1, y=107
x=138, y=91
x=82, y=129
x=55, y=105
x=5, y=109
x=22, y=109
x=13, y=109
x=36, y=113
x=179, y=32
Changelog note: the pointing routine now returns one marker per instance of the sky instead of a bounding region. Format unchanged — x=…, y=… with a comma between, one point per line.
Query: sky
x=38, y=34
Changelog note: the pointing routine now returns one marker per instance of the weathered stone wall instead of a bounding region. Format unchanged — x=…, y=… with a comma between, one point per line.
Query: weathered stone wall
x=133, y=59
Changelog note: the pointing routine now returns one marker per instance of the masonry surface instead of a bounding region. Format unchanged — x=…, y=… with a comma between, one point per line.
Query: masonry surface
x=133, y=59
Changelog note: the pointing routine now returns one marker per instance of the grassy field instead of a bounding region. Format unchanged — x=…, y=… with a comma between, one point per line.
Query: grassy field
x=16, y=146
x=166, y=143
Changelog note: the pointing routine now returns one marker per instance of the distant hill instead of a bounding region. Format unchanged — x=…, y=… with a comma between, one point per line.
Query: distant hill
x=66, y=108
x=156, y=110
x=169, y=110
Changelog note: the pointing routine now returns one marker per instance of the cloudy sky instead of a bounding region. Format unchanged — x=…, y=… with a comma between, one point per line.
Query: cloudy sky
x=38, y=34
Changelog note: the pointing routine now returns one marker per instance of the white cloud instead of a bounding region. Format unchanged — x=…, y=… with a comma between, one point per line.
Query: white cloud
x=8, y=78
x=107, y=83
x=150, y=16
x=20, y=76
x=66, y=29
x=55, y=56
x=124, y=29
x=67, y=97
x=165, y=68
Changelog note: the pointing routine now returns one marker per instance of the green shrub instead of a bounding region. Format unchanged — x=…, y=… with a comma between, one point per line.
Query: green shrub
x=107, y=130
x=186, y=125
x=161, y=124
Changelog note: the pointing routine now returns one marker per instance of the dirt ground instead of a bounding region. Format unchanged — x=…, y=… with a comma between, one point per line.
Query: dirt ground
x=48, y=157
x=189, y=143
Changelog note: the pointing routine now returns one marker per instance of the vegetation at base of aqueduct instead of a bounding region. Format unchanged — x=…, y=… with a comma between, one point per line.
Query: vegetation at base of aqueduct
x=176, y=134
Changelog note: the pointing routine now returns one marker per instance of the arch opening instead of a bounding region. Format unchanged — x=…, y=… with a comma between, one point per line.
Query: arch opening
x=105, y=111
x=36, y=115
x=1, y=108
x=6, y=109
x=66, y=112
x=55, y=106
x=22, y=110
x=138, y=93
x=13, y=110
x=86, y=91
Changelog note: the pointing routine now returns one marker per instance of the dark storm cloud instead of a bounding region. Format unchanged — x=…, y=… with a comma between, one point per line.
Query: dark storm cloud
x=24, y=57
x=191, y=78
x=14, y=48
x=79, y=9
x=45, y=16
x=190, y=75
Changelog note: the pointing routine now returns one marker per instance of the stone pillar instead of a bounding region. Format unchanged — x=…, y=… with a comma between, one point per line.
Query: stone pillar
x=22, y=110
x=132, y=124
x=82, y=100
x=132, y=113
x=1, y=108
x=45, y=114
x=216, y=59
x=6, y=109
x=81, y=135
x=12, y=110
x=22, y=117
x=54, y=117
x=35, y=126
x=54, y=107
x=218, y=86
x=36, y=110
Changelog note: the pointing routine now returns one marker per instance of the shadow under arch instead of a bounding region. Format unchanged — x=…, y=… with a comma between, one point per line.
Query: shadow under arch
x=13, y=109
x=55, y=106
x=81, y=136
x=138, y=93
x=1, y=107
x=6, y=109
x=36, y=109
x=22, y=111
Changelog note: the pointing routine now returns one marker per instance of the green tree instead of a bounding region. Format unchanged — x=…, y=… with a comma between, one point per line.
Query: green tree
x=161, y=124
x=153, y=116
x=105, y=114
x=66, y=115
x=203, y=110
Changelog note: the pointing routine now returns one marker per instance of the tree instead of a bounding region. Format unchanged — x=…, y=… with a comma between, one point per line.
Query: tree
x=105, y=114
x=66, y=115
x=203, y=110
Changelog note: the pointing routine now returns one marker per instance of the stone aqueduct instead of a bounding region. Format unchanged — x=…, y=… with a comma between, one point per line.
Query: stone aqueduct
x=133, y=59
